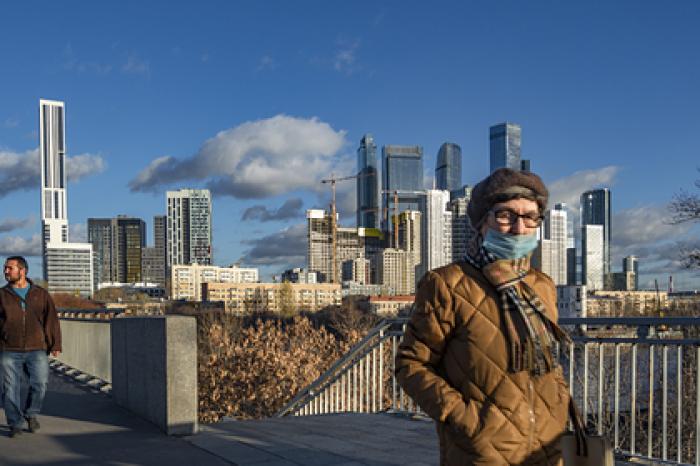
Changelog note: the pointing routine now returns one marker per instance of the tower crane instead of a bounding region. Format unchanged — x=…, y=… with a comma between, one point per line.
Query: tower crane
x=395, y=217
x=332, y=180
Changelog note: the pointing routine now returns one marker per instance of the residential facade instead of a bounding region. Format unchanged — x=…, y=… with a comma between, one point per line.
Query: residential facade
x=246, y=298
x=67, y=267
x=189, y=231
x=186, y=280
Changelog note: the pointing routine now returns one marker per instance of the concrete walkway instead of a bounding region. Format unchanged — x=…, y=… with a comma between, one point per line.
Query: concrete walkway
x=81, y=428
x=338, y=439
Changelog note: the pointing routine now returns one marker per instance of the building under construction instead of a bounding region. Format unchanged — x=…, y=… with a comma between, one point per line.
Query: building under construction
x=351, y=243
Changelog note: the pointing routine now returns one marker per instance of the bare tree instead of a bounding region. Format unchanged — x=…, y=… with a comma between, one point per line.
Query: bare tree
x=685, y=208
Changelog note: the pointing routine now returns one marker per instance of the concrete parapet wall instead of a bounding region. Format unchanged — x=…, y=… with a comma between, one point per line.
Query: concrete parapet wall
x=87, y=347
x=154, y=370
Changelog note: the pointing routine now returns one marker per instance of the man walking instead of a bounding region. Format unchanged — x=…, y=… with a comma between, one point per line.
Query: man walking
x=29, y=331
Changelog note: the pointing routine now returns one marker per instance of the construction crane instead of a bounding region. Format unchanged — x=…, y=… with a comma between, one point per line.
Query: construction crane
x=332, y=181
x=395, y=217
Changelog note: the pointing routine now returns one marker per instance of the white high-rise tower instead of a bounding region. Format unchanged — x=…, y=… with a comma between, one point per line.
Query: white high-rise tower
x=68, y=267
x=52, y=150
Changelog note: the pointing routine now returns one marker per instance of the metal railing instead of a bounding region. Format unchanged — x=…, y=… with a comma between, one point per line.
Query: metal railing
x=362, y=381
x=635, y=380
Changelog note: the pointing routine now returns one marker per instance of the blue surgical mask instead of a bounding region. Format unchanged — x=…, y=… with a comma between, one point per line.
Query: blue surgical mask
x=507, y=246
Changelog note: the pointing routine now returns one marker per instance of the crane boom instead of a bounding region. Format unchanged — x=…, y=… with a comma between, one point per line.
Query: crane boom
x=333, y=180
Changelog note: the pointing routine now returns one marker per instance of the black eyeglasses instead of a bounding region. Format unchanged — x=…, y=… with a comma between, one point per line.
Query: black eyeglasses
x=507, y=217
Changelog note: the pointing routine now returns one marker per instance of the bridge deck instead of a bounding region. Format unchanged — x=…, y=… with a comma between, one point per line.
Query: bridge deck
x=81, y=428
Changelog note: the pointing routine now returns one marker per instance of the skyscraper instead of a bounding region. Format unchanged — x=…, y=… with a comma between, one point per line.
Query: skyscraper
x=67, y=267
x=631, y=264
x=118, y=244
x=367, y=184
x=505, y=146
x=52, y=149
x=402, y=173
x=596, y=210
x=555, y=230
x=461, y=227
x=153, y=259
x=436, y=230
x=189, y=232
x=448, y=170
x=592, y=262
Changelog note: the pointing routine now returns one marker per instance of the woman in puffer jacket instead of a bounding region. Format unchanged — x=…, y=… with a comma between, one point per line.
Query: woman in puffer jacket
x=481, y=352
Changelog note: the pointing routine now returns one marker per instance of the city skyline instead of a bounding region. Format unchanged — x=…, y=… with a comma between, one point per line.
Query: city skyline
x=141, y=112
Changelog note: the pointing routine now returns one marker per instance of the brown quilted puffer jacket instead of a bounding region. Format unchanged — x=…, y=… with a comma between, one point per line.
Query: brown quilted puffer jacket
x=453, y=362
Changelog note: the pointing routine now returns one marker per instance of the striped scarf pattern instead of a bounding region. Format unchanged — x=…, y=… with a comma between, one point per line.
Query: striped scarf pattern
x=534, y=340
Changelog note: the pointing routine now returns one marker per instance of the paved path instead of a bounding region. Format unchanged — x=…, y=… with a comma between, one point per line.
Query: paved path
x=339, y=439
x=81, y=428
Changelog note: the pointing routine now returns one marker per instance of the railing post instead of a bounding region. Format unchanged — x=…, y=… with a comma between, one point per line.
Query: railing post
x=394, y=339
x=664, y=403
x=697, y=407
x=617, y=396
x=633, y=400
x=679, y=401
x=600, y=387
x=650, y=431
x=381, y=370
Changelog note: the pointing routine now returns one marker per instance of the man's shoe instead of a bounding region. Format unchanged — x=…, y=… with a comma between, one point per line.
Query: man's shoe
x=15, y=431
x=33, y=424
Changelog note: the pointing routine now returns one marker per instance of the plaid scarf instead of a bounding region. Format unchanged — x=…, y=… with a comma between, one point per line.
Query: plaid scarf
x=533, y=339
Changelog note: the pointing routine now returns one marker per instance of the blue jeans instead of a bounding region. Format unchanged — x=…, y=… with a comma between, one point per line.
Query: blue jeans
x=35, y=364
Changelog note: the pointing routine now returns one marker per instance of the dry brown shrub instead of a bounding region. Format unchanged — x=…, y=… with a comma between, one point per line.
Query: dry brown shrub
x=69, y=301
x=250, y=367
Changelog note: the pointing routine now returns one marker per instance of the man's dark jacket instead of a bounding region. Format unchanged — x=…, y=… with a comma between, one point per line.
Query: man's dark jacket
x=34, y=328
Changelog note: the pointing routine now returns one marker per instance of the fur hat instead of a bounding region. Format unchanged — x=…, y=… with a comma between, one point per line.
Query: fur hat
x=502, y=185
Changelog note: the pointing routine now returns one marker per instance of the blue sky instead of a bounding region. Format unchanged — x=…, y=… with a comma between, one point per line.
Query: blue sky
x=259, y=100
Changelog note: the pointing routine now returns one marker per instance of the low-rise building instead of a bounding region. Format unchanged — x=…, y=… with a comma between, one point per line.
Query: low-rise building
x=571, y=300
x=244, y=298
x=625, y=303
x=354, y=289
x=299, y=275
x=187, y=280
x=391, y=306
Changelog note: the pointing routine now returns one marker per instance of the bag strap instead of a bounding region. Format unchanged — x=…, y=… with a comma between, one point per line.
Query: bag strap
x=579, y=428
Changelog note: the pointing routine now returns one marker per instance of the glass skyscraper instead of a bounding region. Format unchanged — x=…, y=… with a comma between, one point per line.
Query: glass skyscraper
x=505, y=146
x=448, y=170
x=402, y=172
x=367, y=184
x=596, y=210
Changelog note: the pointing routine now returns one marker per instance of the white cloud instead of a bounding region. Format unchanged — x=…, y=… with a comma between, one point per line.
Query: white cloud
x=255, y=159
x=72, y=63
x=11, y=224
x=283, y=249
x=77, y=233
x=569, y=189
x=20, y=171
x=345, y=59
x=18, y=246
x=136, y=65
